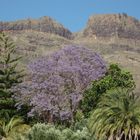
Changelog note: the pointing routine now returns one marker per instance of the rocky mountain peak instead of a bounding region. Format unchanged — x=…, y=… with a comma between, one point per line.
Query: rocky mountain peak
x=43, y=24
x=108, y=25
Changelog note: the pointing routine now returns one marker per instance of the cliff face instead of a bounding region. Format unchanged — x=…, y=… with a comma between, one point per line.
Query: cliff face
x=44, y=24
x=110, y=25
x=118, y=25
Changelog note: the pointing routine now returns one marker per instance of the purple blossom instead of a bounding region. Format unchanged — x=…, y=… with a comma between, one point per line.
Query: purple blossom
x=57, y=82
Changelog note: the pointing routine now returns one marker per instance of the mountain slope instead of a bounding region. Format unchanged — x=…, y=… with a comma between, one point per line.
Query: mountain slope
x=115, y=36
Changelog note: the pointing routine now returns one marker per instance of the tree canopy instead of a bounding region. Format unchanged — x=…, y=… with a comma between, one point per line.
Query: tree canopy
x=57, y=82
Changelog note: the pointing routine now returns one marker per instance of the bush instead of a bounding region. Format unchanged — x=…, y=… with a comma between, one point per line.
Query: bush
x=68, y=134
x=115, y=77
x=50, y=132
x=44, y=132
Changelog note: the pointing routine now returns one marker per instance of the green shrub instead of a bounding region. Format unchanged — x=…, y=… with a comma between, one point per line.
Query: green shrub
x=50, y=132
x=44, y=132
x=78, y=135
x=115, y=77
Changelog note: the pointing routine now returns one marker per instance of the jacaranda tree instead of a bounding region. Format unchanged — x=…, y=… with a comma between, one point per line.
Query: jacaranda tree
x=57, y=82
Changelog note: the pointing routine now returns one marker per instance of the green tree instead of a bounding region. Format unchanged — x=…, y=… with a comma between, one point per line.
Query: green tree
x=117, y=116
x=9, y=76
x=115, y=77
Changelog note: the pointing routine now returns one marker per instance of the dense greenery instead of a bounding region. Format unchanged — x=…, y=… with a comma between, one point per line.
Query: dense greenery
x=115, y=77
x=117, y=116
x=10, y=128
x=9, y=76
x=50, y=132
x=53, y=91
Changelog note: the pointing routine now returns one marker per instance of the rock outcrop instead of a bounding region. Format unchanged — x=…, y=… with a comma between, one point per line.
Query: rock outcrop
x=110, y=25
x=44, y=24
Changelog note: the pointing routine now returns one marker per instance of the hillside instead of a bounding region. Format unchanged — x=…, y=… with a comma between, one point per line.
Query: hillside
x=115, y=36
x=33, y=44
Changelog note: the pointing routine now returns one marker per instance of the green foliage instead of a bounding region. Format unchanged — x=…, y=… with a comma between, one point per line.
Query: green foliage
x=117, y=116
x=77, y=135
x=79, y=115
x=44, y=132
x=115, y=77
x=50, y=132
x=19, y=132
x=9, y=76
x=120, y=78
x=79, y=125
x=9, y=130
x=79, y=121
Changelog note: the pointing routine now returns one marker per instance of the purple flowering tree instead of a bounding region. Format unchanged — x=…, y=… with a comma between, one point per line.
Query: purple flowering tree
x=56, y=82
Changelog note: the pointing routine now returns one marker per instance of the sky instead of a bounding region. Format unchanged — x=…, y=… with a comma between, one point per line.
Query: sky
x=73, y=14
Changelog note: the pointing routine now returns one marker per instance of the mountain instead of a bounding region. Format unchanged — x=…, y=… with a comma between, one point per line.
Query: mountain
x=36, y=37
x=44, y=24
x=119, y=25
x=115, y=36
